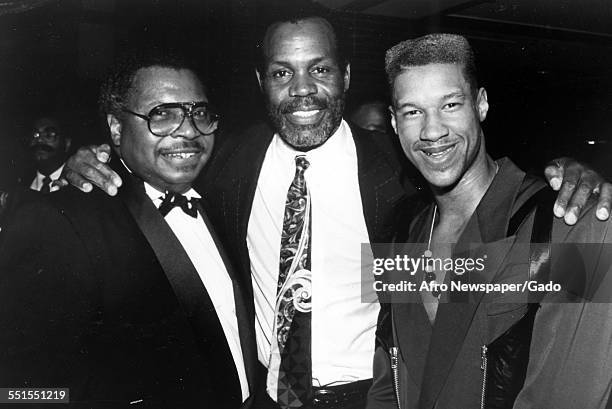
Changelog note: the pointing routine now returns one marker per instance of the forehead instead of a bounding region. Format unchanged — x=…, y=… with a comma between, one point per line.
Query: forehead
x=42, y=123
x=156, y=85
x=429, y=81
x=303, y=40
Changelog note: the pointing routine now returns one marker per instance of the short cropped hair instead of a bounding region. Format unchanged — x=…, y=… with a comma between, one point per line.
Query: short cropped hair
x=116, y=88
x=432, y=49
x=299, y=10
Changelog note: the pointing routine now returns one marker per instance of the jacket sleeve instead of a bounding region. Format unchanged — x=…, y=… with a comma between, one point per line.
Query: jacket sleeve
x=43, y=304
x=570, y=362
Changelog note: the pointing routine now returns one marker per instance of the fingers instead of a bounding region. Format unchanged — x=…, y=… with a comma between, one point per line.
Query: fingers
x=579, y=183
x=103, y=154
x=571, y=179
x=579, y=198
x=75, y=179
x=87, y=168
x=554, y=174
x=604, y=202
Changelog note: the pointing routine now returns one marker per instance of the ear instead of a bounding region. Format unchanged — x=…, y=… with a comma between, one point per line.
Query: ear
x=259, y=80
x=215, y=127
x=482, y=104
x=115, y=129
x=393, y=121
x=347, y=76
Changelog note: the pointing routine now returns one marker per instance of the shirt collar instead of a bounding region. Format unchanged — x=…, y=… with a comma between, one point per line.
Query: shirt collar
x=157, y=196
x=54, y=176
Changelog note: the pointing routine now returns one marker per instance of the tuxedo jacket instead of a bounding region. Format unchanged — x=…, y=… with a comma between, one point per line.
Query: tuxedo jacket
x=99, y=296
x=230, y=181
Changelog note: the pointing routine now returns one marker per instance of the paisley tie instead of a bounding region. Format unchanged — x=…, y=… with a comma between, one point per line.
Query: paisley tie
x=290, y=371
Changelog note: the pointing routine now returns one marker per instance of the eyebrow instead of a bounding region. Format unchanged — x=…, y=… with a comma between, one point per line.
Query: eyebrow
x=456, y=94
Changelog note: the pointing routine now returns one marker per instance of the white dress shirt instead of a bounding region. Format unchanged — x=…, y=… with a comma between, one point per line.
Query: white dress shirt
x=203, y=253
x=343, y=326
x=37, y=183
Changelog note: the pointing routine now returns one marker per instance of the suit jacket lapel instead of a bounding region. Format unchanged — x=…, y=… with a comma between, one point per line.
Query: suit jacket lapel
x=382, y=192
x=244, y=309
x=182, y=275
x=234, y=189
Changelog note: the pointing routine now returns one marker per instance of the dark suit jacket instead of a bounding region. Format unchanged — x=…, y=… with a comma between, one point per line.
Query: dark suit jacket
x=231, y=179
x=99, y=296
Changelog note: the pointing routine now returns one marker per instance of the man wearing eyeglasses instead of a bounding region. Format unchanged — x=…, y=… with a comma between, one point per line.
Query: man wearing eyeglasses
x=49, y=145
x=129, y=300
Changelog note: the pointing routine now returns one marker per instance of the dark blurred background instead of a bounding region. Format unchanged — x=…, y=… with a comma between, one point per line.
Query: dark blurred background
x=547, y=64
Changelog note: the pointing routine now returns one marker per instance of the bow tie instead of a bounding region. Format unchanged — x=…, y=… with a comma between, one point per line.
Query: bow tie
x=172, y=200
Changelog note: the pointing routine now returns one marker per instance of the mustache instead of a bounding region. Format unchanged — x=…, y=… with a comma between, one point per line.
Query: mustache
x=184, y=145
x=302, y=104
x=41, y=147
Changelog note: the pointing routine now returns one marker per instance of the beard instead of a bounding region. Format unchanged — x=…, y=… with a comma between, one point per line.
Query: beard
x=305, y=137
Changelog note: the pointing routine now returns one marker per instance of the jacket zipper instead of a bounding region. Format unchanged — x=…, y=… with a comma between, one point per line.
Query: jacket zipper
x=483, y=368
x=395, y=370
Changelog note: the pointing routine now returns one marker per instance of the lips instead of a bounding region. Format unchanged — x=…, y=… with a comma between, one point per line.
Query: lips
x=41, y=148
x=304, y=111
x=181, y=155
x=306, y=114
x=438, y=155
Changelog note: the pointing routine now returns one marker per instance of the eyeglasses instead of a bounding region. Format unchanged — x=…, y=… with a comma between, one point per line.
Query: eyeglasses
x=48, y=134
x=165, y=119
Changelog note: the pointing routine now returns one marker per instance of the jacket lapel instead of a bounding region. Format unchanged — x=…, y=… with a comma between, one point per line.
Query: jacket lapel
x=180, y=272
x=380, y=184
x=232, y=180
x=487, y=225
x=244, y=309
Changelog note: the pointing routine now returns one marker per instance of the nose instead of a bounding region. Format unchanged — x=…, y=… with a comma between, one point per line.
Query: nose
x=187, y=129
x=434, y=128
x=302, y=85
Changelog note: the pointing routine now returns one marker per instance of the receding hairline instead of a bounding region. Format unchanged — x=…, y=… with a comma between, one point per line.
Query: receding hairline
x=312, y=20
x=137, y=76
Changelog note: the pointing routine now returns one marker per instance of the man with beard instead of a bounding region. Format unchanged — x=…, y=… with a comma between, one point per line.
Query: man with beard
x=49, y=145
x=293, y=204
x=130, y=300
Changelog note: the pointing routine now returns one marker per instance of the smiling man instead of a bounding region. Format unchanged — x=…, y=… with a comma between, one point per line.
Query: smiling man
x=130, y=299
x=453, y=349
x=296, y=201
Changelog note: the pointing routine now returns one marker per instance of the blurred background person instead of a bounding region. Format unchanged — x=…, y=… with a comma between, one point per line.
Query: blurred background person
x=371, y=114
x=48, y=144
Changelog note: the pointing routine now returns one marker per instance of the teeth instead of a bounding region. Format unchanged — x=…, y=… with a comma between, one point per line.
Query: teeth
x=181, y=155
x=437, y=154
x=306, y=114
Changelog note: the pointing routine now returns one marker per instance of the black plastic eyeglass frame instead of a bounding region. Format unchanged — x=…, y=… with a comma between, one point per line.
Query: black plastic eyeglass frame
x=187, y=108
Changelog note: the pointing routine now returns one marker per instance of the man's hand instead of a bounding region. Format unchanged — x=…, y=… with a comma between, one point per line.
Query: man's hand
x=88, y=167
x=576, y=183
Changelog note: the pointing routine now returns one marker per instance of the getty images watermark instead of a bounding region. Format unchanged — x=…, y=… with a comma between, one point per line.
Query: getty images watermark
x=503, y=272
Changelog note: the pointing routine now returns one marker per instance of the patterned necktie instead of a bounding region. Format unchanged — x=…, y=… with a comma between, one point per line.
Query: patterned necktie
x=290, y=371
x=172, y=200
x=46, y=185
